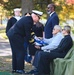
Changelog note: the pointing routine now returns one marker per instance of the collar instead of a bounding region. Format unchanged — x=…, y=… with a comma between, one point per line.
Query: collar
x=58, y=34
x=17, y=17
x=51, y=13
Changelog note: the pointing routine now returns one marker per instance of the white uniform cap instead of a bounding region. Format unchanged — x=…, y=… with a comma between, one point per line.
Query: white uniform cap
x=37, y=12
x=17, y=9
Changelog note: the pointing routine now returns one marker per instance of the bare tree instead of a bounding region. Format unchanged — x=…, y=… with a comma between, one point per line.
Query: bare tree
x=27, y=6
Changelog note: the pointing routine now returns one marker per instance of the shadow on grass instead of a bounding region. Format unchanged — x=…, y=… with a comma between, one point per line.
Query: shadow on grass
x=6, y=66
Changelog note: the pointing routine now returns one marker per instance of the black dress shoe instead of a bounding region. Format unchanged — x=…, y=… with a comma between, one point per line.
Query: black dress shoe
x=14, y=71
x=32, y=71
x=20, y=71
x=40, y=74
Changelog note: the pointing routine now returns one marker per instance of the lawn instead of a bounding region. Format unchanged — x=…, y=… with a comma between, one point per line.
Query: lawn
x=2, y=32
x=6, y=61
x=6, y=66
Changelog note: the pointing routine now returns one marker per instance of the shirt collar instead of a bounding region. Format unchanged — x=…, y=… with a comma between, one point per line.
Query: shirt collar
x=51, y=13
x=57, y=34
x=17, y=17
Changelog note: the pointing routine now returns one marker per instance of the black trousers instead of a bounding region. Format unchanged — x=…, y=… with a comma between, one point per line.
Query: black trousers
x=18, y=52
x=36, y=59
x=43, y=61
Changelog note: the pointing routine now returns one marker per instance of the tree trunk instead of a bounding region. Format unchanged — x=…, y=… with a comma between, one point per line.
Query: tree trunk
x=49, y=1
x=27, y=6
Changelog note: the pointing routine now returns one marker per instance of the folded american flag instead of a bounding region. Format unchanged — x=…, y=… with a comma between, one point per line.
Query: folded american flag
x=39, y=42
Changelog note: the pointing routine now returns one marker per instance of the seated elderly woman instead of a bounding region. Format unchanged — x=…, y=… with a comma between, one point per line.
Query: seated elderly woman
x=52, y=44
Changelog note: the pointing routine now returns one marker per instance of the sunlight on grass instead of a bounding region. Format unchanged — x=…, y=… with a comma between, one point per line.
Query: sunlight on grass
x=2, y=31
x=8, y=60
x=3, y=34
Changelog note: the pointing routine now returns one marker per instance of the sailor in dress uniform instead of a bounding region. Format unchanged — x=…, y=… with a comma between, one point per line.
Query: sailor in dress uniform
x=13, y=19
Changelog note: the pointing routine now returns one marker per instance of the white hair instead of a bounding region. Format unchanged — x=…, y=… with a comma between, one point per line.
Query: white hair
x=67, y=28
x=58, y=27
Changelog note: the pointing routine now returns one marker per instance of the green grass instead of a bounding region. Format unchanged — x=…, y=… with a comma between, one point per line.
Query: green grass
x=5, y=73
x=73, y=31
x=2, y=31
x=3, y=34
x=6, y=66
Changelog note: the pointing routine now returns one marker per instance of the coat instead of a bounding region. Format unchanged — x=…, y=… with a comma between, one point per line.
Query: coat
x=10, y=23
x=16, y=34
x=51, y=22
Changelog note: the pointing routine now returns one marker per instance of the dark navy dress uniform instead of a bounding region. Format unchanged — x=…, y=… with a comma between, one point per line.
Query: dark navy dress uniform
x=39, y=33
x=10, y=23
x=16, y=35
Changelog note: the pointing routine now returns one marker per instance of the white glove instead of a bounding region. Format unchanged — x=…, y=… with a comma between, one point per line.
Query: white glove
x=46, y=50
